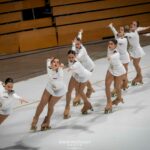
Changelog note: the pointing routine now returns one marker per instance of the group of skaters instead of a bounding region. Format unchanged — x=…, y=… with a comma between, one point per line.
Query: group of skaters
x=121, y=50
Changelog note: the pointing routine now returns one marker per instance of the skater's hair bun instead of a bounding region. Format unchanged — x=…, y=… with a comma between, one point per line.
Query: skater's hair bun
x=71, y=52
x=9, y=80
x=126, y=28
x=114, y=41
x=78, y=39
x=138, y=23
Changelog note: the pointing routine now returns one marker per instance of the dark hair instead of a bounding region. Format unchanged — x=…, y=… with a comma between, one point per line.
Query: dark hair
x=54, y=59
x=114, y=41
x=138, y=23
x=9, y=80
x=78, y=39
x=126, y=28
x=71, y=52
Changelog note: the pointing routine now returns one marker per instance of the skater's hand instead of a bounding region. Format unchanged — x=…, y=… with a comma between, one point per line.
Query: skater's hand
x=23, y=101
x=62, y=65
x=81, y=30
x=111, y=24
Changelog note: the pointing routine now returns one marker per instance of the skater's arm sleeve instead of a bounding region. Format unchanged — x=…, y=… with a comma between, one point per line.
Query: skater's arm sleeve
x=80, y=35
x=16, y=96
x=113, y=30
x=142, y=28
x=48, y=67
x=73, y=46
x=127, y=34
x=81, y=53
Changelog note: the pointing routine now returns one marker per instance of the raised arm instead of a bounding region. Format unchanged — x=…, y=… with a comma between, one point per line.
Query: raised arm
x=142, y=28
x=80, y=34
x=81, y=53
x=48, y=66
x=74, y=45
x=113, y=30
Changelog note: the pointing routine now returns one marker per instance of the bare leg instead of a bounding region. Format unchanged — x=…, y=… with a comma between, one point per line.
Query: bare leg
x=53, y=100
x=125, y=77
x=138, y=78
x=108, y=81
x=2, y=118
x=90, y=89
x=118, y=81
x=71, y=86
x=87, y=105
x=43, y=102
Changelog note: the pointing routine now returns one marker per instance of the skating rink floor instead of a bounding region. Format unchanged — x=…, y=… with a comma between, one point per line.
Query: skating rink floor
x=127, y=128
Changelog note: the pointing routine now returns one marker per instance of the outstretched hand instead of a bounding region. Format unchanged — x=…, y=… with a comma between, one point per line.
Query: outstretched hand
x=23, y=101
x=81, y=30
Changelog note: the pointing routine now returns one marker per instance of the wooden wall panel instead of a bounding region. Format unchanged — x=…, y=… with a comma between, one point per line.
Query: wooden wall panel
x=64, y=2
x=9, y=44
x=25, y=25
x=111, y=13
x=98, y=5
x=10, y=17
x=20, y=5
x=96, y=30
x=37, y=39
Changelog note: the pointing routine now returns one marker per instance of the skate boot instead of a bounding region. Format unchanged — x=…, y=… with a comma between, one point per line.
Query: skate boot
x=117, y=101
x=89, y=92
x=125, y=85
x=76, y=101
x=45, y=125
x=33, y=125
x=87, y=106
x=137, y=79
x=108, y=108
x=67, y=113
x=113, y=93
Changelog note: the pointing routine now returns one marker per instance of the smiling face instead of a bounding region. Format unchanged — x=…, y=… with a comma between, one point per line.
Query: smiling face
x=71, y=57
x=55, y=63
x=9, y=86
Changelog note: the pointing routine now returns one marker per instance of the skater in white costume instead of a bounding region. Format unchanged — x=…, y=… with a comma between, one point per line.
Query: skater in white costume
x=54, y=90
x=135, y=50
x=115, y=73
x=122, y=49
x=7, y=99
x=80, y=76
x=83, y=57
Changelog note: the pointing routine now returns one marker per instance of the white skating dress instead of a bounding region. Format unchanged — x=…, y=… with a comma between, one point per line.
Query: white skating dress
x=83, y=56
x=79, y=73
x=55, y=85
x=116, y=67
x=7, y=100
x=121, y=46
x=135, y=49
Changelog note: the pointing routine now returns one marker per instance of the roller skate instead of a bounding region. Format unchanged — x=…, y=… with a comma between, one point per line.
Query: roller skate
x=117, y=101
x=89, y=92
x=113, y=93
x=45, y=126
x=87, y=106
x=76, y=101
x=67, y=113
x=108, y=108
x=33, y=125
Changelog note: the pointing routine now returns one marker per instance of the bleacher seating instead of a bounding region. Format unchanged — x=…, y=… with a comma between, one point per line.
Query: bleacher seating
x=67, y=18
